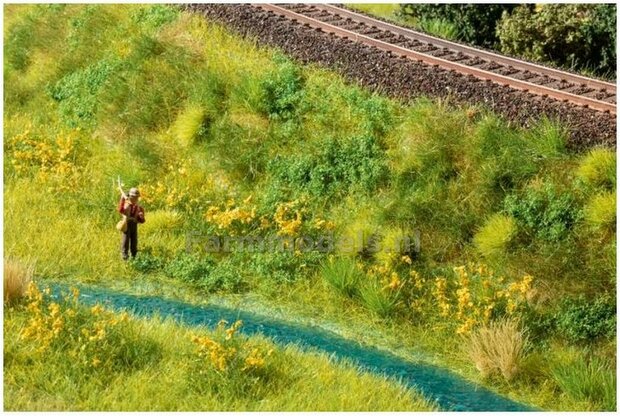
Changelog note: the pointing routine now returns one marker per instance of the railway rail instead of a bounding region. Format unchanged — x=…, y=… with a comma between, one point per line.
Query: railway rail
x=519, y=75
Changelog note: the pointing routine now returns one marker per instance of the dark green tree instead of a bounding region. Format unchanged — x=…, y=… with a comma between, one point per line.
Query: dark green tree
x=475, y=22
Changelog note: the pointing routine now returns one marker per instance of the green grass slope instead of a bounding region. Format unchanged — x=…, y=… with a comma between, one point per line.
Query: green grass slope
x=225, y=138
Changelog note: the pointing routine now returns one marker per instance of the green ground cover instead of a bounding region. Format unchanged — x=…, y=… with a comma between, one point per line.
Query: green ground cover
x=226, y=138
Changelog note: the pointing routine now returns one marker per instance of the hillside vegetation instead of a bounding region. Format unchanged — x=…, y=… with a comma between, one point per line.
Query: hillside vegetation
x=225, y=138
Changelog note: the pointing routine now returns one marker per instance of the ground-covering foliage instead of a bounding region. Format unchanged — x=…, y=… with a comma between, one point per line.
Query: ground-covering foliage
x=61, y=355
x=225, y=139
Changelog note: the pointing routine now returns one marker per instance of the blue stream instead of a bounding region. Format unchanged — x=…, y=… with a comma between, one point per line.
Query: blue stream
x=446, y=389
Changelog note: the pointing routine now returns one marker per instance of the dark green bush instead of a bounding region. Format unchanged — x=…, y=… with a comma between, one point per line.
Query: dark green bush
x=189, y=267
x=475, y=23
x=146, y=262
x=580, y=319
x=357, y=162
x=374, y=112
x=282, y=90
x=581, y=36
x=226, y=275
x=546, y=213
x=281, y=266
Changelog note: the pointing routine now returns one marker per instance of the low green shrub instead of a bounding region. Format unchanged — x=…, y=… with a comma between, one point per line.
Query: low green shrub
x=373, y=112
x=225, y=275
x=582, y=320
x=283, y=90
x=190, y=268
x=282, y=266
x=146, y=262
x=475, y=23
x=593, y=381
x=343, y=275
x=77, y=91
x=545, y=212
x=571, y=35
x=338, y=167
x=156, y=15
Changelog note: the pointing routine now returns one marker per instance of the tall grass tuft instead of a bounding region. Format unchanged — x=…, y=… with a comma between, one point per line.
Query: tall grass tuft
x=593, y=381
x=598, y=168
x=495, y=235
x=440, y=28
x=343, y=275
x=190, y=125
x=600, y=212
x=497, y=348
x=378, y=300
x=17, y=276
x=162, y=221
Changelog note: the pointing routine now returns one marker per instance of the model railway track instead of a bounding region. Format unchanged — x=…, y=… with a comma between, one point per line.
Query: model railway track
x=483, y=65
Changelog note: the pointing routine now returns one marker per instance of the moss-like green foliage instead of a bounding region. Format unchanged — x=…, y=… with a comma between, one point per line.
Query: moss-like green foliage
x=337, y=167
x=189, y=267
x=156, y=15
x=496, y=234
x=283, y=90
x=77, y=91
x=582, y=319
x=544, y=211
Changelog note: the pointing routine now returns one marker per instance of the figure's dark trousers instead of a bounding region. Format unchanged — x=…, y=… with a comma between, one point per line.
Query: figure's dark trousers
x=129, y=241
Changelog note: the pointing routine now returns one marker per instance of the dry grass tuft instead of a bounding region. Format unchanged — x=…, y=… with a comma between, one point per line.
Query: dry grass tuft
x=497, y=348
x=16, y=279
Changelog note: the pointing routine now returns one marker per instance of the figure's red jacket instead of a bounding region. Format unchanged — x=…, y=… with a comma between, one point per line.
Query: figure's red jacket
x=135, y=210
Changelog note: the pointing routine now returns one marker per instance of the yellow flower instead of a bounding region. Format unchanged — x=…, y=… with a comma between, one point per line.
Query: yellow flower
x=97, y=309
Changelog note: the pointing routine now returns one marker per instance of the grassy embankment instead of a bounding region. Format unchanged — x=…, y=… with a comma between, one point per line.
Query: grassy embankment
x=234, y=140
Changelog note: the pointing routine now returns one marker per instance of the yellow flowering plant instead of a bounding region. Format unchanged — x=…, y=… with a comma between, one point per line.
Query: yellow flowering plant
x=223, y=353
x=474, y=295
x=94, y=337
x=50, y=160
x=234, y=218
